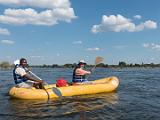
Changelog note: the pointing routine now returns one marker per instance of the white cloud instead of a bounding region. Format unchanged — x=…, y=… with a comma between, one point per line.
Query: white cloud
x=119, y=23
x=93, y=49
x=39, y=57
x=77, y=42
x=137, y=16
x=152, y=46
x=56, y=10
x=153, y=59
x=4, y=31
x=8, y=56
x=7, y=42
x=120, y=46
x=36, y=56
x=146, y=45
x=150, y=24
x=49, y=4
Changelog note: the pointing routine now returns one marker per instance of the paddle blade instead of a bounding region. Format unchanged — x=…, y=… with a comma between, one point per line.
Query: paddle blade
x=98, y=60
x=57, y=91
x=16, y=62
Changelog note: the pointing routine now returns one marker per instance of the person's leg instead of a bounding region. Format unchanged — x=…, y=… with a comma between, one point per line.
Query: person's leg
x=41, y=86
x=24, y=85
x=38, y=85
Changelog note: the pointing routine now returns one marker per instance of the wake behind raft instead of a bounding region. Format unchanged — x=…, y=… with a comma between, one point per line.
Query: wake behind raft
x=52, y=91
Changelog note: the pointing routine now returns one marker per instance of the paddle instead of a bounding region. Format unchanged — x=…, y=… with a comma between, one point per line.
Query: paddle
x=55, y=90
x=98, y=60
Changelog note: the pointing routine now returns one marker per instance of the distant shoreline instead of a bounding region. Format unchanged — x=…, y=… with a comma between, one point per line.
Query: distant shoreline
x=6, y=64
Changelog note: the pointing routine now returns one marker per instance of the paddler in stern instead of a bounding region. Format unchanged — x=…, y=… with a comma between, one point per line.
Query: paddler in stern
x=79, y=73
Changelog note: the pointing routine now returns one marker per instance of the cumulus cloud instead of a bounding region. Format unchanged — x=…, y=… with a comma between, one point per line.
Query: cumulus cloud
x=10, y=42
x=38, y=3
x=4, y=31
x=137, y=16
x=93, y=49
x=52, y=12
x=77, y=42
x=152, y=46
x=150, y=24
x=119, y=23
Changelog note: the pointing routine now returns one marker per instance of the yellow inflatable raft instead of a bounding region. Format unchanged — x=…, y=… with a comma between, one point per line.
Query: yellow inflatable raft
x=51, y=91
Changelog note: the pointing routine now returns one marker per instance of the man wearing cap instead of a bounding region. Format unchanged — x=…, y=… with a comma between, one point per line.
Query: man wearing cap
x=23, y=79
x=79, y=74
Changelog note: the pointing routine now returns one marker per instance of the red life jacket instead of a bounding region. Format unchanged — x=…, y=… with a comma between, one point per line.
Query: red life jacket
x=61, y=83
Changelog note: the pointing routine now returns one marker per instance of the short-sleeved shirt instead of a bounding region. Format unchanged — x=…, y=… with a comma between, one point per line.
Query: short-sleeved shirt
x=20, y=71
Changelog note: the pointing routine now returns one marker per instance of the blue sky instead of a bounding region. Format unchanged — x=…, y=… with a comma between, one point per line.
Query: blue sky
x=65, y=31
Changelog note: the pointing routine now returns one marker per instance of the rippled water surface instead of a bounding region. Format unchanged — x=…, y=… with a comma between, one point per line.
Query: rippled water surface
x=137, y=98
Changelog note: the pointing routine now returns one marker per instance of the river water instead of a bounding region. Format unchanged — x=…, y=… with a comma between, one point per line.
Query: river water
x=137, y=98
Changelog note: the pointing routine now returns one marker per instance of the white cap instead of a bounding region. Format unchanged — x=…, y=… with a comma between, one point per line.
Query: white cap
x=81, y=61
x=17, y=62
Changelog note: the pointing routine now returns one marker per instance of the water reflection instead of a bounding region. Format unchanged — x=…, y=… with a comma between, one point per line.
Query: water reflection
x=68, y=107
x=22, y=109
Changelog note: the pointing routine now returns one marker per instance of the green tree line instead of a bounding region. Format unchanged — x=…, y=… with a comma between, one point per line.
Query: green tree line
x=121, y=64
x=5, y=64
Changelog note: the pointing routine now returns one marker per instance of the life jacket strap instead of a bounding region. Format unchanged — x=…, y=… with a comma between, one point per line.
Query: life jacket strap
x=79, y=80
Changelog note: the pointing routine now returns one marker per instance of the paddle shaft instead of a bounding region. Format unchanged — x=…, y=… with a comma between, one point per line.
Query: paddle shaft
x=91, y=71
x=98, y=60
x=54, y=89
x=35, y=75
x=40, y=79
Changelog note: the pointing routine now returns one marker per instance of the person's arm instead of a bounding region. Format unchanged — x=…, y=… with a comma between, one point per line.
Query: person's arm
x=82, y=72
x=32, y=79
x=24, y=74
